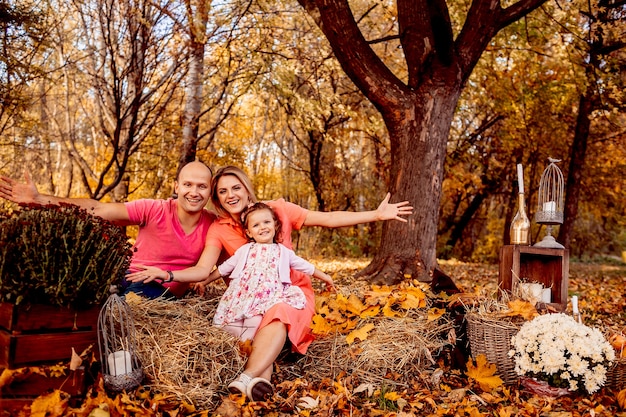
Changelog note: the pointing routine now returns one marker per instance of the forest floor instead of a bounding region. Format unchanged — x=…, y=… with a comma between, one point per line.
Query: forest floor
x=602, y=295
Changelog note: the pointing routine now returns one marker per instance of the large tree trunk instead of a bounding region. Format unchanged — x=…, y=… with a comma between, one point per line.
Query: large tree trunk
x=417, y=111
x=575, y=170
x=418, y=135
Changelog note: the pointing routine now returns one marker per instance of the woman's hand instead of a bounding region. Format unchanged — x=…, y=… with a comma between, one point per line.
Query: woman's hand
x=147, y=274
x=387, y=211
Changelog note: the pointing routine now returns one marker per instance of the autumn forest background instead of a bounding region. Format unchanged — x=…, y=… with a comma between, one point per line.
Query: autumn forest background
x=330, y=104
x=105, y=99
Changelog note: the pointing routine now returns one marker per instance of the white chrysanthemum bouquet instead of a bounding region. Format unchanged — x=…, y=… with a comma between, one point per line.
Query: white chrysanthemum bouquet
x=566, y=354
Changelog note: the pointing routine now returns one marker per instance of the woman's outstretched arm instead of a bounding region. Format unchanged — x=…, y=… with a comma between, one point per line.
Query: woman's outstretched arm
x=385, y=211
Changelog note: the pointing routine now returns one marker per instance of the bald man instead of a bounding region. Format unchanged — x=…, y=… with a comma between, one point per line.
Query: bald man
x=171, y=234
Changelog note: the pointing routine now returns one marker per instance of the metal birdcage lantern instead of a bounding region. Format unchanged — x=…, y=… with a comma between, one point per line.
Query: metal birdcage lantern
x=121, y=368
x=550, y=203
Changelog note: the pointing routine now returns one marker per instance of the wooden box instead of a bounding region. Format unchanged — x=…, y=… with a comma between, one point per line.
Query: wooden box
x=547, y=266
x=39, y=334
x=27, y=386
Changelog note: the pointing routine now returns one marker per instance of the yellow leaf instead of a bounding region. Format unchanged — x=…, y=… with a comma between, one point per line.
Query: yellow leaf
x=409, y=301
x=521, y=308
x=58, y=370
x=9, y=375
x=378, y=295
x=320, y=325
x=360, y=334
x=370, y=312
x=346, y=326
x=483, y=373
x=392, y=396
x=388, y=311
x=50, y=405
x=355, y=305
x=434, y=313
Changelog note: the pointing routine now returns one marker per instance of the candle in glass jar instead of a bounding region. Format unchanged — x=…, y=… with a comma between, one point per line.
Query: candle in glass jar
x=549, y=206
x=119, y=363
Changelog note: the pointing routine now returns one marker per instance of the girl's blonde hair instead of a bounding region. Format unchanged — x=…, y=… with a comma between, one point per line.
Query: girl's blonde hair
x=237, y=173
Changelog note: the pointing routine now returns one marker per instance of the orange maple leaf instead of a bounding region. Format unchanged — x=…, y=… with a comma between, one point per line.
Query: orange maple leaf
x=483, y=373
x=320, y=325
x=354, y=305
x=521, y=308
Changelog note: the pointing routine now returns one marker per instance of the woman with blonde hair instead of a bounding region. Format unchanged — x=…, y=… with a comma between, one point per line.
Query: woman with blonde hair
x=231, y=194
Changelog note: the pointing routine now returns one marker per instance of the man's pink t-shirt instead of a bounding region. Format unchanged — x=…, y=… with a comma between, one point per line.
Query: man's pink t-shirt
x=162, y=242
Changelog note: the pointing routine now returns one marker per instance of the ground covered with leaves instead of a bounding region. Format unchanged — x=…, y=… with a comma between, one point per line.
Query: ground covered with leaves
x=381, y=351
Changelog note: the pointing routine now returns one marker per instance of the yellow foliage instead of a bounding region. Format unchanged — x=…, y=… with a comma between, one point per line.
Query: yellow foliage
x=50, y=405
x=435, y=313
x=360, y=334
x=320, y=325
x=483, y=373
x=521, y=308
x=392, y=396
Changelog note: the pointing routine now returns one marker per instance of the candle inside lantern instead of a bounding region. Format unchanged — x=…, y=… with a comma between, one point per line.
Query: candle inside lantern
x=531, y=292
x=119, y=363
x=546, y=295
x=549, y=206
x=520, y=178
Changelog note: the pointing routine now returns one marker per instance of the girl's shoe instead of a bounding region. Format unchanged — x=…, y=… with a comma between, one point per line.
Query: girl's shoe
x=258, y=389
x=240, y=385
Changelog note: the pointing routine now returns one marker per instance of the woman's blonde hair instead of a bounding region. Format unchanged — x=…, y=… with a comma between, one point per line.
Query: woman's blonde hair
x=237, y=173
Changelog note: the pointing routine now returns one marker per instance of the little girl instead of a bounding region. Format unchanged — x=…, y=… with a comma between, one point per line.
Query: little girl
x=259, y=274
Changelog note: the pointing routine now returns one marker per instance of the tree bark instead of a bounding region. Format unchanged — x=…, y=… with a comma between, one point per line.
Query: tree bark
x=418, y=112
x=575, y=171
x=197, y=16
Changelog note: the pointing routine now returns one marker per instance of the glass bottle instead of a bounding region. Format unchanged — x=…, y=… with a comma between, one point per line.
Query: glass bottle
x=520, y=226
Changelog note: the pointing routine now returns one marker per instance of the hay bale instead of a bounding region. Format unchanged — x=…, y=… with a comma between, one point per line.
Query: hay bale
x=395, y=351
x=181, y=352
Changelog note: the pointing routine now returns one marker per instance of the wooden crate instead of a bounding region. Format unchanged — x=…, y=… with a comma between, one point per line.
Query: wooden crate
x=547, y=266
x=25, y=389
x=41, y=334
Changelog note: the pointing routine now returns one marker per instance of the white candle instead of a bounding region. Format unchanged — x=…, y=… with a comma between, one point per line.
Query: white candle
x=574, y=304
x=119, y=363
x=531, y=292
x=520, y=178
x=549, y=206
x=546, y=295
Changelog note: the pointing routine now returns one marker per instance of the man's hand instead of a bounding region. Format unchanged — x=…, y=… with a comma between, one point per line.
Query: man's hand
x=17, y=192
x=147, y=274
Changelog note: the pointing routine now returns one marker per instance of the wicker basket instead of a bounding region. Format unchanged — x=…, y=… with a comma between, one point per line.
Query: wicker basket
x=616, y=375
x=492, y=338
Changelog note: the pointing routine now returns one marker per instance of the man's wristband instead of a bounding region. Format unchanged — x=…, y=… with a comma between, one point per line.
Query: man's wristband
x=170, y=275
